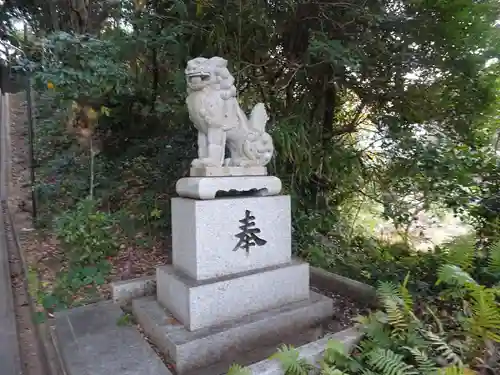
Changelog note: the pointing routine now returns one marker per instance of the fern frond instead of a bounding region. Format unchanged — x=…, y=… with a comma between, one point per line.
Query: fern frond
x=335, y=353
x=376, y=330
x=494, y=258
x=484, y=322
x=387, y=290
x=337, y=347
x=424, y=364
x=330, y=370
x=443, y=348
x=405, y=295
x=399, y=294
x=437, y=321
x=390, y=363
x=461, y=252
x=396, y=317
x=454, y=370
x=238, y=370
x=397, y=304
x=290, y=361
x=454, y=275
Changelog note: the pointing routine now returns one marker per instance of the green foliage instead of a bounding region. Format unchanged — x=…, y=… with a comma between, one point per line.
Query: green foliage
x=494, y=259
x=88, y=239
x=291, y=362
x=86, y=234
x=387, y=362
x=397, y=342
x=462, y=253
x=372, y=261
x=124, y=320
x=340, y=78
x=98, y=72
x=238, y=370
x=482, y=311
x=388, y=103
x=74, y=285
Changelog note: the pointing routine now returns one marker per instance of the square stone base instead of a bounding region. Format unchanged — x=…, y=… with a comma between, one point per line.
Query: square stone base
x=191, y=351
x=200, y=304
x=205, y=239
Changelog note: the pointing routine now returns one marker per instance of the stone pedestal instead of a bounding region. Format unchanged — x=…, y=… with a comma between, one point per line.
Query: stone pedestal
x=233, y=285
x=204, y=235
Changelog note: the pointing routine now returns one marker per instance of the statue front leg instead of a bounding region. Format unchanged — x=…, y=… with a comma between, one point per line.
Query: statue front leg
x=216, y=146
x=202, y=150
x=202, y=145
x=214, y=151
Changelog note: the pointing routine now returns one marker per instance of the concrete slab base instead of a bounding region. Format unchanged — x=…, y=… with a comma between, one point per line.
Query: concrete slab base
x=192, y=350
x=91, y=342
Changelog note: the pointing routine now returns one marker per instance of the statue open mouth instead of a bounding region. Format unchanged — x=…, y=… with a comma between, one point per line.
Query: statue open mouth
x=197, y=77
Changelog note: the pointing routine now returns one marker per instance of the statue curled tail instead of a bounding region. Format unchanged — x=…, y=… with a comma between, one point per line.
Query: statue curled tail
x=258, y=146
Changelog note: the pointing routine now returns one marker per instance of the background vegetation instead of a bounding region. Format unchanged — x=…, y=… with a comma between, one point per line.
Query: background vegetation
x=379, y=108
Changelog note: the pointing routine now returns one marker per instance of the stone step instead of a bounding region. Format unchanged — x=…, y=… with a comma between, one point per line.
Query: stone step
x=256, y=355
x=90, y=341
x=200, y=304
x=193, y=350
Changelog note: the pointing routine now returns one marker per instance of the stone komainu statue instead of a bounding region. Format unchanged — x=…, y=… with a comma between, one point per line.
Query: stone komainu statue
x=216, y=114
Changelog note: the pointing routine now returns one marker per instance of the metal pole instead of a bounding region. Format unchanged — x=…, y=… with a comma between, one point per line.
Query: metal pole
x=4, y=139
x=30, y=135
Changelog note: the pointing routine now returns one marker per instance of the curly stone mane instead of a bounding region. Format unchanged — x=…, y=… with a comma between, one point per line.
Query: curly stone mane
x=225, y=82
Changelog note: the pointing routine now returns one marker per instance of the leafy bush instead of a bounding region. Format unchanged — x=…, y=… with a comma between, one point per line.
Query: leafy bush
x=370, y=261
x=399, y=341
x=86, y=234
x=73, y=286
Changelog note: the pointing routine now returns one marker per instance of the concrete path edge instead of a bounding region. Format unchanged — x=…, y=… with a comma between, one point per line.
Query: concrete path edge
x=44, y=341
x=333, y=282
x=10, y=357
x=312, y=352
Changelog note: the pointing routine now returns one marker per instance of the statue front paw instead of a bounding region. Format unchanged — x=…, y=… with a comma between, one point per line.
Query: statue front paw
x=204, y=162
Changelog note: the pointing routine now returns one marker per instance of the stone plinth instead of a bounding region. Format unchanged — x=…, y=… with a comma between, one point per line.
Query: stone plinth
x=228, y=171
x=232, y=286
x=204, y=235
x=210, y=187
x=201, y=304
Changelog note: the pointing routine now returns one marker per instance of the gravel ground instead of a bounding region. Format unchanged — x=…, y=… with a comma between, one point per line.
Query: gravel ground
x=345, y=309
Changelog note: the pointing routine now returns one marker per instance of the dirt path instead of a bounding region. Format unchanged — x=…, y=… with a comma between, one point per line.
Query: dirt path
x=19, y=225
x=19, y=194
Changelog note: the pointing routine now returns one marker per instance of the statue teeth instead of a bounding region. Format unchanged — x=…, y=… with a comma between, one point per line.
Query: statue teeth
x=198, y=74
